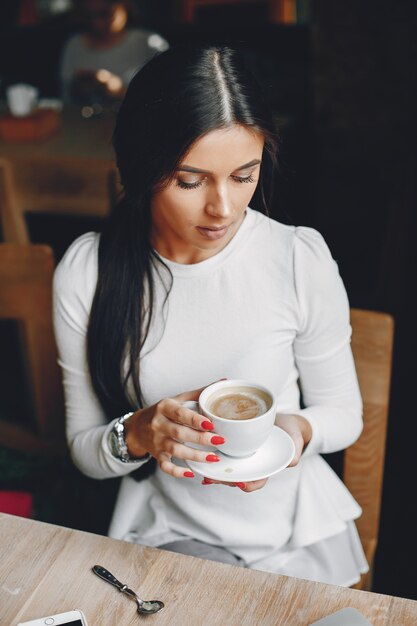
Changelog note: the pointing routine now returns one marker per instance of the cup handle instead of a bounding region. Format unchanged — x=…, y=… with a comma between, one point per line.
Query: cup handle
x=191, y=404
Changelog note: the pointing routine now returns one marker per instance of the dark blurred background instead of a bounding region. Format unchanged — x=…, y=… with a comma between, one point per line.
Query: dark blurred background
x=342, y=84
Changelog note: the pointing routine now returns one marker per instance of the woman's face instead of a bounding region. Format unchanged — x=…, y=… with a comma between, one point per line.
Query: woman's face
x=200, y=210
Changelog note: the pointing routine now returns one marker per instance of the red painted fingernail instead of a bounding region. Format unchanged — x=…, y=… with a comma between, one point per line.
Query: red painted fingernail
x=206, y=481
x=207, y=425
x=241, y=485
x=212, y=458
x=189, y=474
x=217, y=440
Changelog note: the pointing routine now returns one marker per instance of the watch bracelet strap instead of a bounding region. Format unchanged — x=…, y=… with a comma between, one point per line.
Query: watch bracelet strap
x=125, y=458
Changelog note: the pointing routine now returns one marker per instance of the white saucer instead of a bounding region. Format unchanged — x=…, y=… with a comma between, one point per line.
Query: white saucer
x=272, y=457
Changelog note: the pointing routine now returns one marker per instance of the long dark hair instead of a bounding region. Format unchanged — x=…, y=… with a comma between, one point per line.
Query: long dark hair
x=178, y=97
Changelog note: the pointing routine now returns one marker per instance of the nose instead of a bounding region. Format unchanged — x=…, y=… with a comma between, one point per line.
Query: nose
x=219, y=203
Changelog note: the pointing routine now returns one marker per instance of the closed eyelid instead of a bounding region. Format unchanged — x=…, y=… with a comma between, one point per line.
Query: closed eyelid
x=245, y=172
x=190, y=179
x=189, y=184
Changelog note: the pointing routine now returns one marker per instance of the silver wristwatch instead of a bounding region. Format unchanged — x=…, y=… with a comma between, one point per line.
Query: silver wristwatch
x=117, y=441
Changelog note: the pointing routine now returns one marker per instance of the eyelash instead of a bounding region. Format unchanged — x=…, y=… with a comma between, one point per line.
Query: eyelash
x=237, y=179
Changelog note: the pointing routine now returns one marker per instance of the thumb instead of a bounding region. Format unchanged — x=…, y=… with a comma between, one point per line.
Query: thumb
x=195, y=393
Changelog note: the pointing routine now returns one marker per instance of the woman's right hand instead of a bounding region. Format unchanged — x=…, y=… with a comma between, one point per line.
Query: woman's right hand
x=164, y=429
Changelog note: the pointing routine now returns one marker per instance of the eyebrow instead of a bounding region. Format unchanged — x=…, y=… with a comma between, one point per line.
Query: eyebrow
x=195, y=170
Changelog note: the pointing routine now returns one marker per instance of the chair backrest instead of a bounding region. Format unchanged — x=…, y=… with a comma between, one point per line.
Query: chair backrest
x=26, y=272
x=12, y=219
x=372, y=344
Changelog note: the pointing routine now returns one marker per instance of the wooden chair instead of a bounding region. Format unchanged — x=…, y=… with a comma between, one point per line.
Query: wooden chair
x=372, y=343
x=12, y=219
x=279, y=11
x=26, y=272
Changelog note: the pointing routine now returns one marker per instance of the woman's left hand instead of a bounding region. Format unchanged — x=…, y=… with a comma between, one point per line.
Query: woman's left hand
x=298, y=428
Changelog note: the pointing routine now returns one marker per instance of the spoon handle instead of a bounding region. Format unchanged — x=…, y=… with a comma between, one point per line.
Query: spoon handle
x=104, y=573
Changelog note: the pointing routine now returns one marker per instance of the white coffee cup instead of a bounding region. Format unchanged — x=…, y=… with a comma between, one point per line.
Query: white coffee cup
x=243, y=435
x=21, y=98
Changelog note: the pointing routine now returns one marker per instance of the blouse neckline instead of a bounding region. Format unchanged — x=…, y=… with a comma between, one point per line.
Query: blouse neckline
x=186, y=270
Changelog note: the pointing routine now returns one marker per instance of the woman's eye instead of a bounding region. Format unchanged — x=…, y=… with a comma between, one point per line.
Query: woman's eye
x=197, y=183
x=185, y=185
x=244, y=179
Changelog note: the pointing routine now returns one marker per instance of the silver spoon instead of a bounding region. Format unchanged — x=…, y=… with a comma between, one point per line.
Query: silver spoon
x=145, y=607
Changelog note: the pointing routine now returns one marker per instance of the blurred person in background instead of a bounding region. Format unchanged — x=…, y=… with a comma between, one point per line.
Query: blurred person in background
x=98, y=63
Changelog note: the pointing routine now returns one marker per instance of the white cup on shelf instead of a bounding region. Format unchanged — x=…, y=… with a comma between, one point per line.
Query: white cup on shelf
x=21, y=99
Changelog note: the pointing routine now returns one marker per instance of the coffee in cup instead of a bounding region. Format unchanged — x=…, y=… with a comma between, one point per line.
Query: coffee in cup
x=239, y=403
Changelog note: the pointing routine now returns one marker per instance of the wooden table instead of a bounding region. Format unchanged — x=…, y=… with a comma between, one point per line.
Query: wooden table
x=46, y=569
x=68, y=172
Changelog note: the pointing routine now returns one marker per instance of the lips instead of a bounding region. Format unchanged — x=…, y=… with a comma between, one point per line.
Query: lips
x=213, y=233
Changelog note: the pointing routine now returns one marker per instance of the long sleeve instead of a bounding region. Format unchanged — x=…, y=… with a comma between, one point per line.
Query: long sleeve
x=87, y=427
x=323, y=355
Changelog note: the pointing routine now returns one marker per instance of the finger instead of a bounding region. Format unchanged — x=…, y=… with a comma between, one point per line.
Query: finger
x=186, y=434
x=295, y=460
x=181, y=451
x=182, y=415
x=252, y=485
x=248, y=487
x=298, y=442
x=170, y=468
x=210, y=481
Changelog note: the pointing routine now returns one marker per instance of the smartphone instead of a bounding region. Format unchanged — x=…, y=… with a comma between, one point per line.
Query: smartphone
x=70, y=618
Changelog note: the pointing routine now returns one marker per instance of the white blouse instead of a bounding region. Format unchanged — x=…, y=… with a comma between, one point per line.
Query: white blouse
x=271, y=308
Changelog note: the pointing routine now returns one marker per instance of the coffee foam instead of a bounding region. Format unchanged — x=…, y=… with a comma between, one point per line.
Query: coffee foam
x=239, y=403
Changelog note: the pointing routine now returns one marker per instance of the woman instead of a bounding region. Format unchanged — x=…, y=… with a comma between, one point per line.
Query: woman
x=187, y=285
